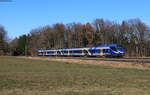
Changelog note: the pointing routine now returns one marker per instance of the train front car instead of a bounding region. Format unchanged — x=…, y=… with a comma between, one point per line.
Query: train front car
x=117, y=51
x=108, y=51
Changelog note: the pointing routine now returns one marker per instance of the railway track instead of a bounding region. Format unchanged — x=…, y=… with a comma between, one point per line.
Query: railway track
x=140, y=60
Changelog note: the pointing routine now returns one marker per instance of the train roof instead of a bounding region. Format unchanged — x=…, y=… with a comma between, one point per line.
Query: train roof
x=75, y=48
x=45, y=50
x=113, y=45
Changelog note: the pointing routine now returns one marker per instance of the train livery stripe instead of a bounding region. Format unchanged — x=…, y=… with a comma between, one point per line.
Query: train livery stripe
x=85, y=49
x=101, y=52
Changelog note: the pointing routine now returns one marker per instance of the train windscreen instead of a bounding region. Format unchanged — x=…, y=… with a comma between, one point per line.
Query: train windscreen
x=113, y=48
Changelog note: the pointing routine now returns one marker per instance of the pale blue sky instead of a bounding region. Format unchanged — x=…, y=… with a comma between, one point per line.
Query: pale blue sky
x=20, y=16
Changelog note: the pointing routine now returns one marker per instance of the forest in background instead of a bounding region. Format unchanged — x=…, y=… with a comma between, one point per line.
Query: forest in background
x=133, y=35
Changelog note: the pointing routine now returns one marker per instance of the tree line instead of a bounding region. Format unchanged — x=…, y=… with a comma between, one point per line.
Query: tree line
x=133, y=35
x=4, y=45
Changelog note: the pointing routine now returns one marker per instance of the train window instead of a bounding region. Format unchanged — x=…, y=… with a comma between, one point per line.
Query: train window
x=106, y=50
x=113, y=48
x=92, y=51
x=65, y=51
x=50, y=52
x=70, y=51
x=78, y=51
x=98, y=51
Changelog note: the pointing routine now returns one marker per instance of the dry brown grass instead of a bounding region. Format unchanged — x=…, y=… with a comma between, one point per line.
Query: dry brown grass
x=138, y=65
x=49, y=76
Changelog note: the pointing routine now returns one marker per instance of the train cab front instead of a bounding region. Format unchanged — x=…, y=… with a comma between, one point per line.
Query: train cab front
x=118, y=51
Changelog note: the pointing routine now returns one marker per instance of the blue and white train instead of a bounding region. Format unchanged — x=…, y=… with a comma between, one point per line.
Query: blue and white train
x=98, y=51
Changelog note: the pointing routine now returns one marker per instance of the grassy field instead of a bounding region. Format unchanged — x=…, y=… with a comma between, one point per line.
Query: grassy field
x=20, y=76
